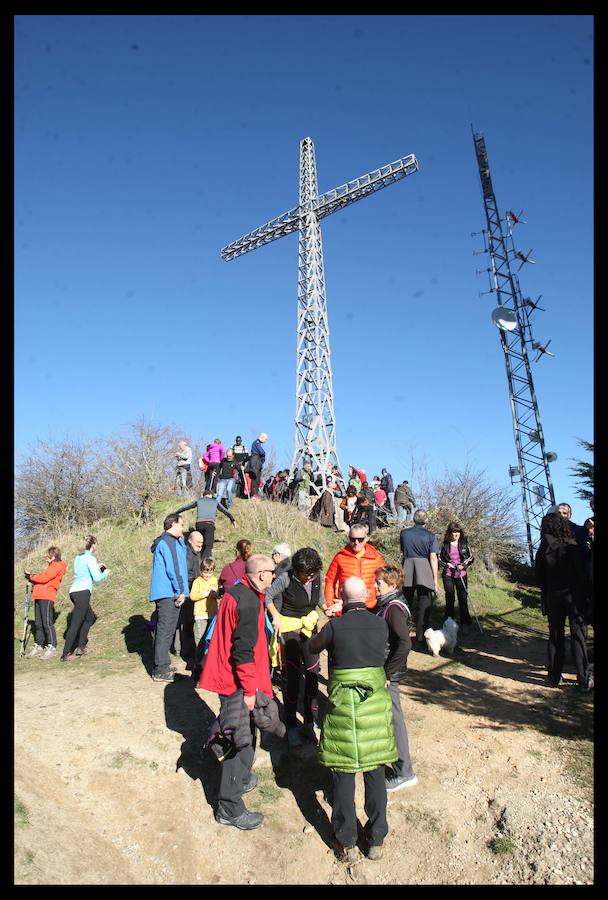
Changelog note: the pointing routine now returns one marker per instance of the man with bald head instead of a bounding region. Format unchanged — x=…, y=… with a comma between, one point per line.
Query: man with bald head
x=357, y=733
x=238, y=664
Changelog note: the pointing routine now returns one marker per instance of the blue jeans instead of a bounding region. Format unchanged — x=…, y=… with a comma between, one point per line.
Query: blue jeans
x=226, y=488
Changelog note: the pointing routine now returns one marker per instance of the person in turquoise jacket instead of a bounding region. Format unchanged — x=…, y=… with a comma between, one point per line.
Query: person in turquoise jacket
x=357, y=733
x=87, y=571
x=168, y=589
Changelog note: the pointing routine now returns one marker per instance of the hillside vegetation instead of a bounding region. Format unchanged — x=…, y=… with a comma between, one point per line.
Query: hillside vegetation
x=122, y=600
x=110, y=762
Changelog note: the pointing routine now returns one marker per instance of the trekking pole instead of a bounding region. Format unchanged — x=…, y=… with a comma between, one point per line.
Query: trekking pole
x=471, y=605
x=27, y=603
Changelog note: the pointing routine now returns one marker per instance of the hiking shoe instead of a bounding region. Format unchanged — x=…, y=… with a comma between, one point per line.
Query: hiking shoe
x=374, y=851
x=69, y=657
x=587, y=685
x=399, y=781
x=49, y=652
x=81, y=651
x=247, y=821
x=294, y=738
x=163, y=676
x=251, y=784
x=345, y=854
x=36, y=650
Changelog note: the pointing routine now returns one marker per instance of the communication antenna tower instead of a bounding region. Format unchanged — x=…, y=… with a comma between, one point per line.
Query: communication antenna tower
x=315, y=426
x=512, y=316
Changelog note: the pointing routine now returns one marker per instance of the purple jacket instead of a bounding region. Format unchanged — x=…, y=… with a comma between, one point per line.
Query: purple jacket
x=214, y=454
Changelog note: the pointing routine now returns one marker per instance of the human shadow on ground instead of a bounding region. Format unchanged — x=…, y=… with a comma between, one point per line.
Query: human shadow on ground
x=139, y=639
x=299, y=771
x=188, y=714
x=561, y=712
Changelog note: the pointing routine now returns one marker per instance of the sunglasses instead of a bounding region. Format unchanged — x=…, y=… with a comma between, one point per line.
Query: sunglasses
x=357, y=540
x=272, y=571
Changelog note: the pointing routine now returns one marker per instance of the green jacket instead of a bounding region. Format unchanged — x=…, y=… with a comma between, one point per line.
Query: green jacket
x=358, y=726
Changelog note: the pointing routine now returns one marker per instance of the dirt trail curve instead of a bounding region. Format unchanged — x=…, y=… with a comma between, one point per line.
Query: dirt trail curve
x=110, y=773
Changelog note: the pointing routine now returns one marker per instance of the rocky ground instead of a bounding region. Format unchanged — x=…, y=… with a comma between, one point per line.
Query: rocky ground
x=111, y=786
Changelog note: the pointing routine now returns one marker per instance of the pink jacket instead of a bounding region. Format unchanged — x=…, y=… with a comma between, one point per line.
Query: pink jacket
x=214, y=454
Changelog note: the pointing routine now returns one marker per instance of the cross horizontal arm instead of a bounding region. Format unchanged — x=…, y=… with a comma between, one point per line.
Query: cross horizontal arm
x=278, y=227
x=323, y=205
x=374, y=181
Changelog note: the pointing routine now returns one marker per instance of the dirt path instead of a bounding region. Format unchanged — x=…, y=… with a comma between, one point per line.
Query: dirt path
x=116, y=791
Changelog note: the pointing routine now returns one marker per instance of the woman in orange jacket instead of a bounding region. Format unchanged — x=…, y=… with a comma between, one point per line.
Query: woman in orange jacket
x=46, y=585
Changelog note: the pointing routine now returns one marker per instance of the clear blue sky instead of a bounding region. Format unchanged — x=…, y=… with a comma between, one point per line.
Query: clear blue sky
x=143, y=144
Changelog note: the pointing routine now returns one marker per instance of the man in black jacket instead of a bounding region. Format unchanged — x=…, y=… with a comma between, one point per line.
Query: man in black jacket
x=356, y=640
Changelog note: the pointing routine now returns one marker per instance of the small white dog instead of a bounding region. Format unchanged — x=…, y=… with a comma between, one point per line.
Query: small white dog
x=446, y=638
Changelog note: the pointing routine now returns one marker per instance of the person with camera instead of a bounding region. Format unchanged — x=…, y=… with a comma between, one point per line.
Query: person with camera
x=46, y=585
x=87, y=571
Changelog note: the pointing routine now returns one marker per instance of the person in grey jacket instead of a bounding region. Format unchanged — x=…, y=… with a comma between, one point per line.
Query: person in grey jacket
x=206, y=510
x=404, y=501
x=420, y=550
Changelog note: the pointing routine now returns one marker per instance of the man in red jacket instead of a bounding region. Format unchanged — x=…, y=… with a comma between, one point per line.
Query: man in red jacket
x=238, y=663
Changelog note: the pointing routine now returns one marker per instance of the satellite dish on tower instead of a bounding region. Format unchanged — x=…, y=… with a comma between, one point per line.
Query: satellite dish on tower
x=550, y=456
x=504, y=318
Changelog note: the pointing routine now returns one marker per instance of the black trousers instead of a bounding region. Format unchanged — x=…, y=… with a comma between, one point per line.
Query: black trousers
x=207, y=529
x=82, y=619
x=183, y=641
x=236, y=772
x=166, y=624
x=255, y=468
x=45, y=629
x=559, y=606
x=298, y=661
x=344, y=814
x=212, y=476
x=453, y=586
x=423, y=616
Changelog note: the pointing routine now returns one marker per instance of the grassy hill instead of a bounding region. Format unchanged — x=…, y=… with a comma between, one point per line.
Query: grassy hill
x=122, y=603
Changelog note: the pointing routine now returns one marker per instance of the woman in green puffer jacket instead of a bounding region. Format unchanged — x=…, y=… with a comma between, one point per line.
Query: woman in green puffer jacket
x=357, y=729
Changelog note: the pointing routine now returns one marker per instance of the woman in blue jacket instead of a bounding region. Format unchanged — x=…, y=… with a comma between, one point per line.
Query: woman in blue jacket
x=86, y=571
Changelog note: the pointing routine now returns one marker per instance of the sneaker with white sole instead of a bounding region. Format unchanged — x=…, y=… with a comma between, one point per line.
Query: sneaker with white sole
x=36, y=650
x=397, y=782
x=49, y=652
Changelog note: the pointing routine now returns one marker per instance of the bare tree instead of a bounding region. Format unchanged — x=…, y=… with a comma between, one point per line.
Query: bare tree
x=56, y=488
x=138, y=468
x=486, y=510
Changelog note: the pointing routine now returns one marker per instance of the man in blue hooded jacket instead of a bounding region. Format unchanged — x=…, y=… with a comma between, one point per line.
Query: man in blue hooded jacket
x=168, y=589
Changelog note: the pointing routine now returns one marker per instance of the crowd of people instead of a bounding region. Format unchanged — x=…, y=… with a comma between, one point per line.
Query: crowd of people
x=268, y=617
